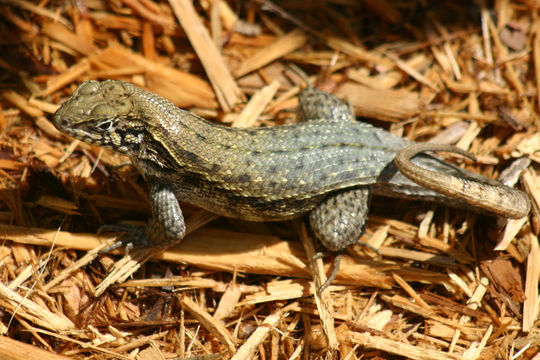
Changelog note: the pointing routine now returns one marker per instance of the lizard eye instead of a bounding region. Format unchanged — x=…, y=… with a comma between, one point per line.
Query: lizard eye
x=106, y=124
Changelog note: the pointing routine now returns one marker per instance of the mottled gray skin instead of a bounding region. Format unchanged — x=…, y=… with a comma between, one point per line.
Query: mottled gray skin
x=327, y=166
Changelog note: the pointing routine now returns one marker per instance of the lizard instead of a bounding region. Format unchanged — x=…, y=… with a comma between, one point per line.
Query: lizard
x=327, y=165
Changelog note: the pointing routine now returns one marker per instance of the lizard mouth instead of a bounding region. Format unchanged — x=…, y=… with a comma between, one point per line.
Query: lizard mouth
x=65, y=124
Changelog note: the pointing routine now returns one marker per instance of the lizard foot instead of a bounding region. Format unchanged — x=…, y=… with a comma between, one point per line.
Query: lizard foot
x=134, y=236
x=335, y=267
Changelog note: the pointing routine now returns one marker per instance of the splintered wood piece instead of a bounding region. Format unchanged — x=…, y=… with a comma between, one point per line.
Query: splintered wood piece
x=17, y=350
x=250, y=346
x=151, y=12
x=399, y=348
x=21, y=102
x=65, y=78
x=323, y=300
x=391, y=105
x=281, y=47
x=214, y=326
x=532, y=300
x=180, y=87
x=359, y=53
x=256, y=105
x=34, y=312
x=213, y=249
x=225, y=87
x=62, y=34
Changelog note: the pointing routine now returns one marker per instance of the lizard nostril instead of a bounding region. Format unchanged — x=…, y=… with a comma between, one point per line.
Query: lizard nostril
x=65, y=121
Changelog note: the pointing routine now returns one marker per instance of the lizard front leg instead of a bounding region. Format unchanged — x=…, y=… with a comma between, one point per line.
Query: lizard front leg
x=166, y=227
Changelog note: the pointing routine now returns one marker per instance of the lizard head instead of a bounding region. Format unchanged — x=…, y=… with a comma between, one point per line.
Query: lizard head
x=102, y=113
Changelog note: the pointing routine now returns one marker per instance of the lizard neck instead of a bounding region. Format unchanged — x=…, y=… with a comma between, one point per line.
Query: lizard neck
x=174, y=138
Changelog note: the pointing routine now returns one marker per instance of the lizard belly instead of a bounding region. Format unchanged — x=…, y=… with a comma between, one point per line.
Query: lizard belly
x=252, y=208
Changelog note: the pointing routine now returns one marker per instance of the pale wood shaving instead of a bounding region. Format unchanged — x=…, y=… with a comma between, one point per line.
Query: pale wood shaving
x=532, y=300
x=131, y=262
x=389, y=105
x=256, y=105
x=280, y=290
x=227, y=92
x=266, y=254
x=13, y=349
x=473, y=303
x=416, y=256
x=65, y=78
x=215, y=24
x=45, y=125
x=209, y=322
x=151, y=12
x=413, y=72
x=359, y=53
x=58, y=204
x=399, y=280
x=21, y=306
x=383, y=81
x=282, y=46
x=21, y=103
x=182, y=88
x=151, y=353
x=228, y=302
x=43, y=106
x=228, y=17
x=399, y=348
x=125, y=267
x=65, y=36
x=250, y=345
x=428, y=313
x=323, y=300
x=39, y=10
x=86, y=259
x=84, y=345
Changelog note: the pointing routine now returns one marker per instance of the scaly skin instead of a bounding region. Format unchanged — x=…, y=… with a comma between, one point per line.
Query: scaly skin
x=326, y=166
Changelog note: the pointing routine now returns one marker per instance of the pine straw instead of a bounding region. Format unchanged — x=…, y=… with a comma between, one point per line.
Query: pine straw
x=446, y=284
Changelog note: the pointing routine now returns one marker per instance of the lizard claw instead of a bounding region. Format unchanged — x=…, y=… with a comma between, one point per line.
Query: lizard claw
x=134, y=236
x=335, y=265
x=335, y=268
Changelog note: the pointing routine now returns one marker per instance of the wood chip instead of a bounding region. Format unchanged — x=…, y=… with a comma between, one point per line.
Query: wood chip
x=281, y=47
x=390, y=105
x=67, y=77
x=227, y=92
x=256, y=105
x=209, y=322
x=532, y=300
x=37, y=313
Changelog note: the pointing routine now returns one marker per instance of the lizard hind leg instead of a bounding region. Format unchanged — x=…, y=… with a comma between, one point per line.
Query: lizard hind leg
x=315, y=104
x=339, y=222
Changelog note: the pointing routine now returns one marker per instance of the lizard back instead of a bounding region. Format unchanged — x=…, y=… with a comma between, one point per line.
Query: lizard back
x=259, y=173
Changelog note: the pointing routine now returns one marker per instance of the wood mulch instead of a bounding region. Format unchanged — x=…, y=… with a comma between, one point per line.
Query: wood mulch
x=446, y=284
